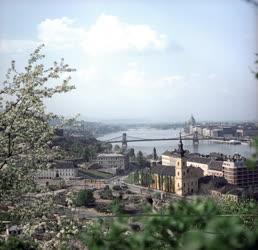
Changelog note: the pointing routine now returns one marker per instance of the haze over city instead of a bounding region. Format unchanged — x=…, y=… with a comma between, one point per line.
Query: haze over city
x=140, y=61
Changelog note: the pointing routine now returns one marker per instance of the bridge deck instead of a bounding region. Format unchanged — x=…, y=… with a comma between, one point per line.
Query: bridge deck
x=176, y=139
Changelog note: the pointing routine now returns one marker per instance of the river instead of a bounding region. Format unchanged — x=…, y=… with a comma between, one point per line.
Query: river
x=204, y=147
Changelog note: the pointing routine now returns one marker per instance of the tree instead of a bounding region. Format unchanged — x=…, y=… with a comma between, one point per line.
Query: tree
x=84, y=198
x=117, y=148
x=106, y=194
x=140, y=159
x=131, y=153
x=13, y=243
x=26, y=135
x=252, y=162
x=116, y=206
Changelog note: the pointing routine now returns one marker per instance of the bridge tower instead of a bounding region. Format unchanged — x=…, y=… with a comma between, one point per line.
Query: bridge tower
x=124, y=141
x=195, y=138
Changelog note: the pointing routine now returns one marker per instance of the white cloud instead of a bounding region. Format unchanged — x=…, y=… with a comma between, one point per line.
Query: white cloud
x=60, y=33
x=109, y=34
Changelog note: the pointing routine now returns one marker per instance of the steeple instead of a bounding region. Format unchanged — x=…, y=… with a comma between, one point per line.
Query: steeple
x=181, y=150
x=155, y=157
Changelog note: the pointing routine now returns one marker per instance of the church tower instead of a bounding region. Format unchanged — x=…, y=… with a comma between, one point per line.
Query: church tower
x=180, y=171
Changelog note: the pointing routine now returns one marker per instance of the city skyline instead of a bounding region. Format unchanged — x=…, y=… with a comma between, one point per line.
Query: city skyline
x=141, y=61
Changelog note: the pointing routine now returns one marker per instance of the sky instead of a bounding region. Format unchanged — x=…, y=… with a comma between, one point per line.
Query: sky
x=156, y=61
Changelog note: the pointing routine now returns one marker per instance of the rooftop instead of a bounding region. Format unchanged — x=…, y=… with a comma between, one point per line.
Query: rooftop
x=110, y=155
x=216, y=165
x=202, y=160
x=64, y=165
x=163, y=170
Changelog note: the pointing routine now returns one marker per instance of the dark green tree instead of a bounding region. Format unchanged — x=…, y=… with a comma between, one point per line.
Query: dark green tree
x=140, y=158
x=16, y=243
x=84, y=198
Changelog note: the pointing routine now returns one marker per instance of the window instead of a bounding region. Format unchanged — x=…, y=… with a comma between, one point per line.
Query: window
x=178, y=173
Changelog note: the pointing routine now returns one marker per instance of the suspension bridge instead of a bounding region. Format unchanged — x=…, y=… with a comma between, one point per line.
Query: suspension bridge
x=194, y=137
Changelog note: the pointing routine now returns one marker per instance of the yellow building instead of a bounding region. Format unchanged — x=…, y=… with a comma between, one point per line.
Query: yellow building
x=186, y=177
x=179, y=179
x=163, y=178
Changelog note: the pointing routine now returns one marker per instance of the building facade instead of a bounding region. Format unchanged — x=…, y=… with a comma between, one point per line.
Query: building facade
x=178, y=178
x=168, y=159
x=113, y=163
x=237, y=173
x=59, y=169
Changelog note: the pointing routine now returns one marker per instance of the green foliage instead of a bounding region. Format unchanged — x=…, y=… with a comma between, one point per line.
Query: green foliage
x=146, y=178
x=131, y=153
x=182, y=225
x=116, y=206
x=136, y=178
x=84, y=198
x=96, y=174
x=140, y=158
x=106, y=193
x=117, y=188
x=117, y=148
x=252, y=161
x=16, y=243
x=242, y=209
x=27, y=140
x=25, y=133
x=80, y=147
x=103, y=208
x=130, y=178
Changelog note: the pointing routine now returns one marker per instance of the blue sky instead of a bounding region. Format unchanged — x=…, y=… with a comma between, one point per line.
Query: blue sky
x=143, y=60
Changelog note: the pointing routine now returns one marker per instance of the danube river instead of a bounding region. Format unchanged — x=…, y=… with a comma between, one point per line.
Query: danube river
x=204, y=147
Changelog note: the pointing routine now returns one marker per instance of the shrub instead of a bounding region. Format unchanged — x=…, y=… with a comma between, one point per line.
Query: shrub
x=84, y=198
x=116, y=206
x=106, y=194
x=14, y=243
x=117, y=188
x=103, y=208
x=187, y=225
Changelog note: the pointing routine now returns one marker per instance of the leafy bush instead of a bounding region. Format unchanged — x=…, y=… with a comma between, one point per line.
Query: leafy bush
x=106, y=194
x=156, y=195
x=103, y=208
x=84, y=198
x=129, y=192
x=53, y=187
x=185, y=225
x=116, y=206
x=117, y=188
x=16, y=243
